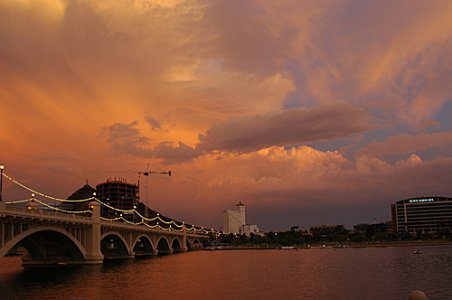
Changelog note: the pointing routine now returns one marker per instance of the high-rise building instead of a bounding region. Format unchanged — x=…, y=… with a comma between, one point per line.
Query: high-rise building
x=120, y=194
x=422, y=215
x=234, y=219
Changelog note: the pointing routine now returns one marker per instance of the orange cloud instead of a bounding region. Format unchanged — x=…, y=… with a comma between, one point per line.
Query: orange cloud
x=217, y=89
x=407, y=144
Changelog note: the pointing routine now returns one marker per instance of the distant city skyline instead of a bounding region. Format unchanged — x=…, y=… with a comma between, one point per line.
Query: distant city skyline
x=311, y=112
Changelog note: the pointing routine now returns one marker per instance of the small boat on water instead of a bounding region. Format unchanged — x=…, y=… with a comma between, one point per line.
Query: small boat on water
x=417, y=252
x=213, y=248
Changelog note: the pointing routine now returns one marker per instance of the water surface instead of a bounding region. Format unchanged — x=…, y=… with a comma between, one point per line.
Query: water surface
x=351, y=273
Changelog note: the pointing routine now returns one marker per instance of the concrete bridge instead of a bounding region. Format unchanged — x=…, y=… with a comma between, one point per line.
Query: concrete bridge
x=51, y=237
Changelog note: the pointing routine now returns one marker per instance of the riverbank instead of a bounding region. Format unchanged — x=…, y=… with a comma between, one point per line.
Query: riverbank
x=400, y=243
x=332, y=245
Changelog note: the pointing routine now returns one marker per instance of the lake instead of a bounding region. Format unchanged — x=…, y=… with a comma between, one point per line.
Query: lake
x=350, y=273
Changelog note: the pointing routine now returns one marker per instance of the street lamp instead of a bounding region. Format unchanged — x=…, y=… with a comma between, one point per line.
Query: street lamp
x=2, y=167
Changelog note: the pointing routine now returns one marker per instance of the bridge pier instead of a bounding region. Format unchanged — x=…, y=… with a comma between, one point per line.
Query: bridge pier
x=183, y=247
x=93, y=251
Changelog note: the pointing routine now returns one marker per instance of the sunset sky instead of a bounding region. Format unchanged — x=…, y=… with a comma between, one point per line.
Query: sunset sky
x=309, y=112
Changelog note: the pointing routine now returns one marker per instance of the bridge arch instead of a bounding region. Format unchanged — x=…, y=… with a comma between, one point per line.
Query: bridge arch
x=176, y=245
x=142, y=246
x=163, y=246
x=36, y=240
x=193, y=244
x=113, y=245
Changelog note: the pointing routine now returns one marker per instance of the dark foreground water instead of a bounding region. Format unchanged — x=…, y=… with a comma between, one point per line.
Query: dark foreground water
x=365, y=273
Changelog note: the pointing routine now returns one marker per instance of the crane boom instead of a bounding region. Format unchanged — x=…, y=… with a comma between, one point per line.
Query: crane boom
x=147, y=173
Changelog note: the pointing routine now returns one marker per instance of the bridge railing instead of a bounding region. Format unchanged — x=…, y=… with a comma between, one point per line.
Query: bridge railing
x=37, y=207
x=43, y=213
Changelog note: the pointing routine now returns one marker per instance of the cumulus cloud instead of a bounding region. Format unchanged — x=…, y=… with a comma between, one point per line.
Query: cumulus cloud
x=302, y=178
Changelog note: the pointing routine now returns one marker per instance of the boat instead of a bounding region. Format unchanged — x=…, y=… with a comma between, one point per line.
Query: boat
x=417, y=252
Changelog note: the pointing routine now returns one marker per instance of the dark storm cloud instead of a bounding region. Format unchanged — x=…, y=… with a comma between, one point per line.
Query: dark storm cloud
x=289, y=127
x=172, y=154
x=127, y=139
x=153, y=123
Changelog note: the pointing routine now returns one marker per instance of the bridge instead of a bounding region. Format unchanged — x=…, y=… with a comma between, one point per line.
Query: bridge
x=53, y=235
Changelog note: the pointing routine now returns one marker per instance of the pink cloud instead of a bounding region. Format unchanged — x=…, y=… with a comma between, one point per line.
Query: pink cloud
x=407, y=144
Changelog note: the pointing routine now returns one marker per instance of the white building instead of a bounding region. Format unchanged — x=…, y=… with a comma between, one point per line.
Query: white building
x=234, y=221
x=251, y=229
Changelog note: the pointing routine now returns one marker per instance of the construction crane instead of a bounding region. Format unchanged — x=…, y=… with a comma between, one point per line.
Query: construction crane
x=148, y=173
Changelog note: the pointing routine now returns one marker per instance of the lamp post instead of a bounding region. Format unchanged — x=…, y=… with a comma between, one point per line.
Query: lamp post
x=1, y=182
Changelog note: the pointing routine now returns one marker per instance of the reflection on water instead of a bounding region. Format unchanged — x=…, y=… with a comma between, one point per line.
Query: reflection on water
x=364, y=273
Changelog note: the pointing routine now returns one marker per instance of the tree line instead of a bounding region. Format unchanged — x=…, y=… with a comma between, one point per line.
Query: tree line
x=337, y=234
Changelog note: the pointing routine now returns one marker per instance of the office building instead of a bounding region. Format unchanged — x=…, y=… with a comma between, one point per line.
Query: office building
x=422, y=215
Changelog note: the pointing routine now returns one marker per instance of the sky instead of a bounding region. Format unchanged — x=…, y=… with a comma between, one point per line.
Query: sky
x=309, y=112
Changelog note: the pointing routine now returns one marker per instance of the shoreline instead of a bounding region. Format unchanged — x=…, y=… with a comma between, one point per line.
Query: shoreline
x=331, y=245
x=401, y=244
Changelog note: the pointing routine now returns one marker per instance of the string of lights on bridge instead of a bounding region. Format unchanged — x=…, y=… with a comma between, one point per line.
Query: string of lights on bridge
x=172, y=225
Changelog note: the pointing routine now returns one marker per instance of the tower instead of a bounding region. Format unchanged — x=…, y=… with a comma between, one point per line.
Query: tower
x=234, y=219
x=241, y=213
